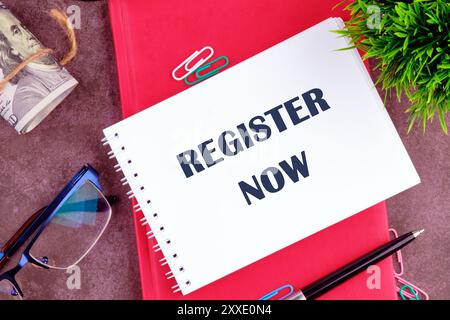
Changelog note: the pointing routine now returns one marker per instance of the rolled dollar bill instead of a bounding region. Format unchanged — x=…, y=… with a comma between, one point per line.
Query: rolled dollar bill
x=39, y=88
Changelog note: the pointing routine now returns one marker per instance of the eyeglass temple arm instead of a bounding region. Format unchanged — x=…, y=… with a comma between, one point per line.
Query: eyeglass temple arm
x=16, y=237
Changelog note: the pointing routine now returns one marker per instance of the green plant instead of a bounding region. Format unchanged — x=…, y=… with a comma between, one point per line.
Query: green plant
x=411, y=39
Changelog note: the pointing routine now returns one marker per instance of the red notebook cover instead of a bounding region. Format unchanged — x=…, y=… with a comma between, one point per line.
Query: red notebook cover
x=151, y=39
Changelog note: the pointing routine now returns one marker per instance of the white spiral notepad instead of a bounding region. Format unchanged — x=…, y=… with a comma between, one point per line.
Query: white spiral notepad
x=260, y=156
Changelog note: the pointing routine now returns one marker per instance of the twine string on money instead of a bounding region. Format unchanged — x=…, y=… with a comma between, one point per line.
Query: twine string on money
x=39, y=54
x=64, y=22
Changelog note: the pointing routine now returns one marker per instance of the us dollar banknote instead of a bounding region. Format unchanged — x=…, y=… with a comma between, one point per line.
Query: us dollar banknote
x=39, y=88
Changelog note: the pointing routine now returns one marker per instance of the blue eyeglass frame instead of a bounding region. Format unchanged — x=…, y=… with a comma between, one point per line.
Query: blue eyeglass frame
x=86, y=174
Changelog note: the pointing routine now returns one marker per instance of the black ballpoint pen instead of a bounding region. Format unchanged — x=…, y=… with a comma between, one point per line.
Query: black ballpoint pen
x=330, y=281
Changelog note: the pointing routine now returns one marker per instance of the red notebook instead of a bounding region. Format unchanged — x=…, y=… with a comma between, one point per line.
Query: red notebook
x=151, y=39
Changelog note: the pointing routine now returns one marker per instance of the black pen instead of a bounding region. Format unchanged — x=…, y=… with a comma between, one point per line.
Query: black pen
x=330, y=281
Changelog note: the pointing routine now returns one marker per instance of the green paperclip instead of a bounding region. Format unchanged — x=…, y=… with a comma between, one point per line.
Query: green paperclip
x=208, y=74
x=410, y=289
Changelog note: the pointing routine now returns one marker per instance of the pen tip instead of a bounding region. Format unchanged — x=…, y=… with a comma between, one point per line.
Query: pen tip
x=417, y=233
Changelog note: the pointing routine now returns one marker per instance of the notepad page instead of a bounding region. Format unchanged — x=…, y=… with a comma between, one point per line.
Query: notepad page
x=203, y=223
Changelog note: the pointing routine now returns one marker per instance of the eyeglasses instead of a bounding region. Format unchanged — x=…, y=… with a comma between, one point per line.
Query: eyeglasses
x=61, y=234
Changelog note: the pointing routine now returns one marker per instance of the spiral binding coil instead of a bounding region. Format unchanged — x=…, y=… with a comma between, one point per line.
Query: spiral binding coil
x=159, y=229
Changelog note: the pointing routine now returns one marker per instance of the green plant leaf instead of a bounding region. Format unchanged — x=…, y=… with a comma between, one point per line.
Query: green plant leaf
x=442, y=121
x=401, y=34
x=412, y=45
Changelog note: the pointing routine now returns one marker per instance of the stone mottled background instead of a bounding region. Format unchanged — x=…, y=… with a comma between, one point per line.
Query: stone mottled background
x=36, y=166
